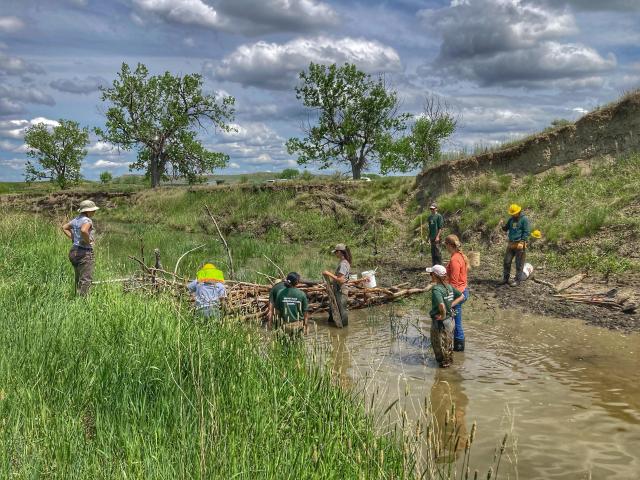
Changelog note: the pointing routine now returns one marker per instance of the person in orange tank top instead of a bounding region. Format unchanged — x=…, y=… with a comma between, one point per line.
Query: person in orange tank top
x=457, y=270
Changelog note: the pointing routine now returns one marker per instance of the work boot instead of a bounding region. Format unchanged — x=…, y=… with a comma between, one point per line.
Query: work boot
x=513, y=283
x=458, y=345
x=505, y=281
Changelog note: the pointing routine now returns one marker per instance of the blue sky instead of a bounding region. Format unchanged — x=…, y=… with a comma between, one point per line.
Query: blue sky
x=508, y=67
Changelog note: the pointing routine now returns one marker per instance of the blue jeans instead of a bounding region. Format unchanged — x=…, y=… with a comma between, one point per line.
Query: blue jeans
x=458, y=333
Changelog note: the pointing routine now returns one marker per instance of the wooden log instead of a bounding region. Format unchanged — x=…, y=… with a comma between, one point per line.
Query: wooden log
x=570, y=282
x=333, y=302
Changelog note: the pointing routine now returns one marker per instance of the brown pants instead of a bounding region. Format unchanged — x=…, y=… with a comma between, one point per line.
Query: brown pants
x=442, y=341
x=521, y=258
x=342, y=300
x=82, y=261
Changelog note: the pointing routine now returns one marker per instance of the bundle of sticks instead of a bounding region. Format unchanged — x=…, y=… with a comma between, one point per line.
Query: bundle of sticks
x=251, y=300
x=608, y=299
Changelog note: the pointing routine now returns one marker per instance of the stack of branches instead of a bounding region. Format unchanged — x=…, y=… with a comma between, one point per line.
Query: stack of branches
x=251, y=300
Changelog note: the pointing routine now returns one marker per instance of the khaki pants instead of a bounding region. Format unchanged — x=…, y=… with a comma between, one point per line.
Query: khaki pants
x=442, y=341
x=82, y=261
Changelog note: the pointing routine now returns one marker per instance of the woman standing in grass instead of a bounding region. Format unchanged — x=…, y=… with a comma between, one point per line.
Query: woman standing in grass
x=443, y=298
x=340, y=279
x=457, y=270
x=82, y=235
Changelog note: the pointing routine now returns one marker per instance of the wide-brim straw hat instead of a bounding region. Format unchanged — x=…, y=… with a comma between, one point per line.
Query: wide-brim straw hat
x=87, y=206
x=341, y=247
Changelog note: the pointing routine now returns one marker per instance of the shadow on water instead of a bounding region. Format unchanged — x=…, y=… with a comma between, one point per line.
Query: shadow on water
x=568, y=394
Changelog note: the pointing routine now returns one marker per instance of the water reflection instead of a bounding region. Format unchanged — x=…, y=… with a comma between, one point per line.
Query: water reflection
x=449, y=404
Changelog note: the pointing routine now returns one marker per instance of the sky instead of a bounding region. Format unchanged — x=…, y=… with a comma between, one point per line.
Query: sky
x=508, y=68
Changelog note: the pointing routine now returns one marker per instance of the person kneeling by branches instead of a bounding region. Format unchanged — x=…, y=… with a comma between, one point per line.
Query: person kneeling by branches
x=443, y=298
x=292, y=304
x=208, y=289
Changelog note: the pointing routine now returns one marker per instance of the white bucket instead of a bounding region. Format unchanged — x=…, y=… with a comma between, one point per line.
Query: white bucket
x=527, y=270
x=370, y=275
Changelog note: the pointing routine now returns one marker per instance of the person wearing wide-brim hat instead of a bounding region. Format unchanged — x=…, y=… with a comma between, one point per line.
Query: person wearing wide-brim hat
x=518, y=231
x=444, y=299
x=82, y=235
x=340, y=279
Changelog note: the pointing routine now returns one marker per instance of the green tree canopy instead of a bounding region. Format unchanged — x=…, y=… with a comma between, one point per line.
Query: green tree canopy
x=357, y=118
x=106, y=177
x=59, y=152
x=158, y=115
x=289, y=173
x=423, y=146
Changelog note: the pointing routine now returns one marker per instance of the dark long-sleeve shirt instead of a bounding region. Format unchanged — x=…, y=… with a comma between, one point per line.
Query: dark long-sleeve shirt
x=518, y=228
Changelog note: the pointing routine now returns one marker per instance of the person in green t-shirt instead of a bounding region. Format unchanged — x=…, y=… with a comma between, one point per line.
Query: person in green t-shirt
x=518, y=232
x=292, y=303
x=443, y=298
x=436, y=223
x=273, y=295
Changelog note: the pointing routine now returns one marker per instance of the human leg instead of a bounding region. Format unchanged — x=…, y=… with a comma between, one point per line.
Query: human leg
x=436, y=255
x=521, y=257
x=85, y=272
x=506, y=265
x=343, y=307
x=447, y=342
x=458, y=334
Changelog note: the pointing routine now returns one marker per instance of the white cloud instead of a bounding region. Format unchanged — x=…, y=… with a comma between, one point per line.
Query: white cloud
x=13, y=163
x=10, y=24
x=513, y=43
x=102, y=148
x=108, y=164
x=251, y=17
x=276, y=66
x=233, y=165
x=17, y=66
x=16, y=128
x=580, y=110
x=188, y=12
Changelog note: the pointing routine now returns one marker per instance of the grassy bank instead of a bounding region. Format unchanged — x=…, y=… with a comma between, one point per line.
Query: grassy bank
x=120, y=386
x=588, y=215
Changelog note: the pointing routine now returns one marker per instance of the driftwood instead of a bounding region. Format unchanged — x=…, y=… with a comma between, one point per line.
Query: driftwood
x=604, y=299
x=570, y=282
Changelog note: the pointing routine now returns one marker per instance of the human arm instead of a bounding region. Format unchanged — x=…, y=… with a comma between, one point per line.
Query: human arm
x=191, y=286
x=505, y=226
x=305, y=313
x=458, y=297
x=440, y=226
x=66, y=228
x=525, y=229
x=305, y=321
x=269, y=315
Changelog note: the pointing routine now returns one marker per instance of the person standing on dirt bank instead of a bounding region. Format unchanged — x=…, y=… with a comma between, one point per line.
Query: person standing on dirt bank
x=518, y=233
x=443, y=298
x=436, y=222
x=292, y=303
x=273, y=295
x=457, y=270
x=340, y=279
x=82, y=235
x=208, y=289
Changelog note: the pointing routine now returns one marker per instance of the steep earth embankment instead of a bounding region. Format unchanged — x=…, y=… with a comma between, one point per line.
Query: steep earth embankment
x=611, y=131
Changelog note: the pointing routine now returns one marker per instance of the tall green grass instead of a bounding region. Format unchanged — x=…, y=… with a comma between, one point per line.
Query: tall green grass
x=123, y=386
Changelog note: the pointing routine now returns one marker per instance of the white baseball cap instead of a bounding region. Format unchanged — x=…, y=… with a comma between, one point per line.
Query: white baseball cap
x=437, y=270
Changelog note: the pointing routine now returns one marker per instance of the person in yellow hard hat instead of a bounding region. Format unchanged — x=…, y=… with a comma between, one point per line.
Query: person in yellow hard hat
x=518, y=231
x=208, y=289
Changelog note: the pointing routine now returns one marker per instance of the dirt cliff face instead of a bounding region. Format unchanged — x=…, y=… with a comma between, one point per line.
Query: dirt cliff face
x=608, y=132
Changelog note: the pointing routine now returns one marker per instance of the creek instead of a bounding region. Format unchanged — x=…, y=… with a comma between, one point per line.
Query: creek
x=567, y=394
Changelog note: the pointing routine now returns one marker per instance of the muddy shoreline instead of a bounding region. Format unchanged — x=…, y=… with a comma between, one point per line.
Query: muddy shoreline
x=528, y=297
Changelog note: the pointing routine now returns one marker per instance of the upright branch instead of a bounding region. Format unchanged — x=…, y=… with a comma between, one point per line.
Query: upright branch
x=157, y=115
x=357, y=118
x=232, y=274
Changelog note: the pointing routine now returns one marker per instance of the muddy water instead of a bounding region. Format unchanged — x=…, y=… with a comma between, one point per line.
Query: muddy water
x=568, y=394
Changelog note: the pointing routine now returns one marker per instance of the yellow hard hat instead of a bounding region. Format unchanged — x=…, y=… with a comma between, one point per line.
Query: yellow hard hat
x=536, y=234
x=514, y=209
x=209, y=273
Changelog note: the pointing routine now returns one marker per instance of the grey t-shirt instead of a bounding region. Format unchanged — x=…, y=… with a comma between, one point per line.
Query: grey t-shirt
x=76, y=234
x=344, y=269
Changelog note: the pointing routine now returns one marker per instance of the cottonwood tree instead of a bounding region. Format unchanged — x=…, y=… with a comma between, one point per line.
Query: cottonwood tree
x=423, y=146
x=357, y=118
x=59, y=152
x=158, y=115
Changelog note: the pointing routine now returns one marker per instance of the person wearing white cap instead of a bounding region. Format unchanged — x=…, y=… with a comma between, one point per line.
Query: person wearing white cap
x=436, y=222
x=443, y=298
x=340, y=279
x=82, y=235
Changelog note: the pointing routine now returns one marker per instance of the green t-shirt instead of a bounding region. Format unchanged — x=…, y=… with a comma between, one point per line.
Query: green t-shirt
x=436, y=222
x=275, y=290
x=443, y=294
x=292, y=304
x=518, y=229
